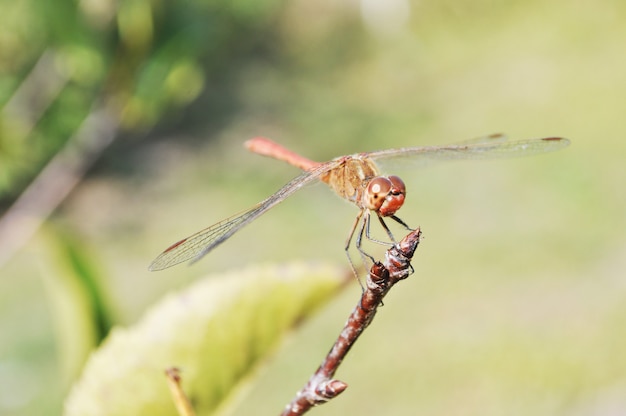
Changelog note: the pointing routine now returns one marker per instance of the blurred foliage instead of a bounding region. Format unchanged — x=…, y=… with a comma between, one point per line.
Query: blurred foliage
x=78, y=300
x=141, y=58
x=218, y=331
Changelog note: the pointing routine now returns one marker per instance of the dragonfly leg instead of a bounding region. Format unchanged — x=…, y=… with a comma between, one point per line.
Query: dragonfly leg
x=359, y=219
x=399, y=221
x=387, y=230
x=365, y=227
x=361, y=227
x=382, y=222
x=365, y=223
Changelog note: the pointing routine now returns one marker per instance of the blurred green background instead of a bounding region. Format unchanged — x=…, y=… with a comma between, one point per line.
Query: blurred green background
x=518, y=303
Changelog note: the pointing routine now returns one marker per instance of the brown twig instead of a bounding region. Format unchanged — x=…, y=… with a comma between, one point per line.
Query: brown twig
x=321, y=387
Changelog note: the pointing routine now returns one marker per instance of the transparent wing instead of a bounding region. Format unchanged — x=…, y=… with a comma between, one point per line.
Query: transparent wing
x=199, y=244
x=491, y=138
x=489, y=147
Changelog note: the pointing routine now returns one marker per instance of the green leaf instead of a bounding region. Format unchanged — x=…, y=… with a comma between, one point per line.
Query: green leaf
x=218, y=332
x=78, y=302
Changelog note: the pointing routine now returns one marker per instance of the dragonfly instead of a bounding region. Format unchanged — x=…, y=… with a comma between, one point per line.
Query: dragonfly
x=356, y=178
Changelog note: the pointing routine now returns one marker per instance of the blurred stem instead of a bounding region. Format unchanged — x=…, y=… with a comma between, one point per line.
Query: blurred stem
x=183, y=405
x=56, y=180
x=36, y=93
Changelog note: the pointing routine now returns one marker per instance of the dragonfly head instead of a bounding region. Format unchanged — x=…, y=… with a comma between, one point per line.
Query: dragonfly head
x=385, y=195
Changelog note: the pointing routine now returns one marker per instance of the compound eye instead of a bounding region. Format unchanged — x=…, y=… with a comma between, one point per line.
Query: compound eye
x=397, y=185
x=395, y=197
x=377, y=191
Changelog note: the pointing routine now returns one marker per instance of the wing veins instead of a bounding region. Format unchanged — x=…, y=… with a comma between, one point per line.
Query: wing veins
x=489, y=149
x=201, y=243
